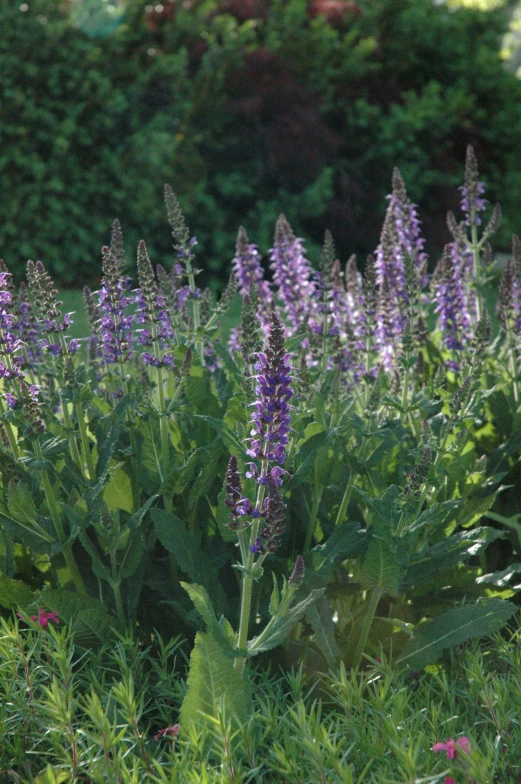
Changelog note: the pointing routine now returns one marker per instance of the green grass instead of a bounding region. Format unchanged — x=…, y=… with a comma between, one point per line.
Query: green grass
x=92, y=717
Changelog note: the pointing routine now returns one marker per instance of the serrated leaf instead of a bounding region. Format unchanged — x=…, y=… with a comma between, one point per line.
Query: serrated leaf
x=453, y=628
x=500, y=579
x=380, y=569
x=320, y=616
x=202, y=603
x=213, y=683
x=20, y=503
x=89, y=616
x=175, y=537
x=453, y=550
x=279, y=627
x=435, y=515
x=118, y=492
x=14, y=594
x=346, y=541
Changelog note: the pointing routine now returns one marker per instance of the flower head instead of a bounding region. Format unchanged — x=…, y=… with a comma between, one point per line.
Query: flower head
x=292, y=273
x=472, y=190
x=271, y=410
x=168, y=732
x=43, y=617
x=451, y=747
x=115, y=326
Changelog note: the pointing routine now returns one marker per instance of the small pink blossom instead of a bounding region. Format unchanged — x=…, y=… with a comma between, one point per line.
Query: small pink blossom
x=43, y=617
x=449, y=780
x=451, y=747
x=168, y=732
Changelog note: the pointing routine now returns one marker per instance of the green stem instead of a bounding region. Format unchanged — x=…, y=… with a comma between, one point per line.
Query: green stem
x=10, y=432
x=195, y=304
x=136, y=497
x=116, y=583
x=477, y=269
x=313, y=519
x=58, y=526
x=87, y=454
x=376, y=595
x=345, y=499
x=247, y=585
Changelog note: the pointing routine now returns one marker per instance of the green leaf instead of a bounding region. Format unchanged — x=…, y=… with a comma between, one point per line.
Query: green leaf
x=118, y=491
x=280, y=626
x=131, y=557
x=177, y=539
x=214, y=684
x=453, y=550
x=380, y=569
x=453, y=628
x=14, y=594
x=320, y=616
x=223, y=518
x=435, y=515
x=199, y=596
x=501, y=579
x=88, y=616
x=20, y=503
x=346, y=541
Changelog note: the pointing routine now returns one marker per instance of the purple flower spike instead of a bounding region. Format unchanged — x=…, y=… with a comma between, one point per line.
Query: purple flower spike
x=271, y=411
x=152, y=311
x=115, y=326
x=452, y=300
x=292, y=273
x=248, y=272
x=472, y=203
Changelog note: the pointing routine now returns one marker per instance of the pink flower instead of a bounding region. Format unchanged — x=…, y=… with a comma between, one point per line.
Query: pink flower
x=43, y=617
x=449, y=780
x=450, y=747
x=168, y=732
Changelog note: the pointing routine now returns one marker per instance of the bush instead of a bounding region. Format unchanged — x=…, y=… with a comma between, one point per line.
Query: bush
x=248, y=108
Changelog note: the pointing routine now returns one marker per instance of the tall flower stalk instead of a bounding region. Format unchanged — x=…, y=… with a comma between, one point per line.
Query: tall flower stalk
x=152, y=313
x=183, y=245
x=292, y=274
x=53, y=326
x=268, y=442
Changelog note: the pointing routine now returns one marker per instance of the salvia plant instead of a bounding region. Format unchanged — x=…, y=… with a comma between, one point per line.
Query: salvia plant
x=314, y=474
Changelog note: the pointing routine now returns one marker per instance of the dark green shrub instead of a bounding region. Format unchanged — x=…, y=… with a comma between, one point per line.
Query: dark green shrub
x=248, y=109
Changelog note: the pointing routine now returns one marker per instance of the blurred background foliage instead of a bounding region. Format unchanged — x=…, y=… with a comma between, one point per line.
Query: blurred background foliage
x=248, y=108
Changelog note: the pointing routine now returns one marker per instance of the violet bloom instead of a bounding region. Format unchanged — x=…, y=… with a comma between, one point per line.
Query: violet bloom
x=115, y=326
x=25, y=325
x=9, y=345
x=271, y=411
x=292, y=274
x=452, y=301
x=407, y=224
x=153, y=313
x=248, y=272
x=50, y=322
x=451, y=747
x=472, y=190
x=274, y=514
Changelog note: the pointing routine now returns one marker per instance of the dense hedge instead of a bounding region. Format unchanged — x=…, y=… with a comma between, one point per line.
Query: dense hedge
x=247, y=108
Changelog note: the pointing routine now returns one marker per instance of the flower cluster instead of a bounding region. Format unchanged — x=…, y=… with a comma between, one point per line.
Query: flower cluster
x=9, y=345
x=152, y=311
x=292, y=273
x=51, y=322
x=249, y=274
x=115, y=326
x=472, y=190
x=271, y=410
x=453, y=297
